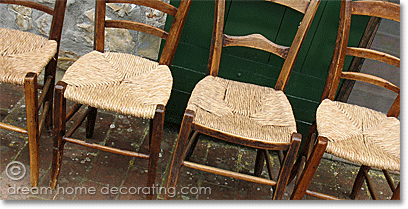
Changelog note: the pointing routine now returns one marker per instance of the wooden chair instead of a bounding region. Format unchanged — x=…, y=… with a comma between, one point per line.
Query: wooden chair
x=242, y=113
x=119, y=82
x=23, y=56
x=355, y=133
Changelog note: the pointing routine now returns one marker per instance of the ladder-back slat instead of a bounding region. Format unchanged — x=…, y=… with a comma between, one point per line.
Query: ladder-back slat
x=367, y=78
x=256, y=41
x=374, y=55
x=145, y=28
x=298, y=5
x=31, y=4
x=155, y=4
x=377, y=9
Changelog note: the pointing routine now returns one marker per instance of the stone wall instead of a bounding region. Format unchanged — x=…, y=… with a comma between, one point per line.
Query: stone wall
x=77, y=34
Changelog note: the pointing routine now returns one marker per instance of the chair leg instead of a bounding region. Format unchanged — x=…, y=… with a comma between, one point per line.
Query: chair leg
x=268, y=164
x=151, y=128
x=361, y=176
x=50, y=71
x=154, y=147
x=370, y=186
x=304, y=152
x=59, y=132
x=358, y=182
x=396, y=194
x=31, y=97
x=191, y=145
x=259, y=162
x=181, y=145
x=310, y=169
x=287, y=167
x=90, y=122
x=389, y=180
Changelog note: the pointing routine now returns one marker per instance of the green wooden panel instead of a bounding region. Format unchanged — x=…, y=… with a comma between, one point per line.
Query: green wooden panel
x=275, y=22
x=176, y=106
x=192, y=56
x=241, y=69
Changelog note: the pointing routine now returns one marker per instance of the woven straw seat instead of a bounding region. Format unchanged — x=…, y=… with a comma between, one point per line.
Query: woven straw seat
x=242, y=109
x=119, y=82
x=21, y=53
x=360, y=134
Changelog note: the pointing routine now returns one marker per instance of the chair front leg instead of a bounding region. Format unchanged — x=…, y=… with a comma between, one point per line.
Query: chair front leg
x=304, y=153
x=31, y=100
x=181, y=146
x=287, y=166
x=310, y=169
x=154, y=146
x=59, y=132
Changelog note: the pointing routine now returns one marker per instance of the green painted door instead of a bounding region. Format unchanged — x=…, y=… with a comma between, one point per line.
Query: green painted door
x=275, y=22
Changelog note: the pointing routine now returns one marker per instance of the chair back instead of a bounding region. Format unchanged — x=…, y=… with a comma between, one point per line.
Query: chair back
x=172, y=37
x=380, y=9
x=258, y=41
x=58, y=14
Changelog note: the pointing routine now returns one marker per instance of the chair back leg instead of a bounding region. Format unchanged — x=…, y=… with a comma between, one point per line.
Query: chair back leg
x=90, y=122
x=358, y=182
x=259, y=162
x=396, y=194
x=50, y=72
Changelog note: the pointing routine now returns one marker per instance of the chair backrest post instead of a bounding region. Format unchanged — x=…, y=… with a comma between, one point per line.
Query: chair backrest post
x=339, y=54
x=296, y=45
x=58, y=20
x=174, y=34
x=217, y=39
x=99, y=30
